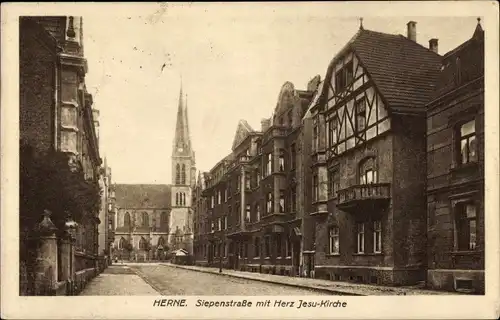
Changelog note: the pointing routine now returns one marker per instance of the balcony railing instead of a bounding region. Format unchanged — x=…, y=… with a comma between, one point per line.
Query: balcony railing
x=276, y=131
x=363, y=194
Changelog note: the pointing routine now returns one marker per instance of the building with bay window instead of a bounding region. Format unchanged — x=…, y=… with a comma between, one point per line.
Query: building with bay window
x=368, y=155
x=455, y=170
x=250, y=214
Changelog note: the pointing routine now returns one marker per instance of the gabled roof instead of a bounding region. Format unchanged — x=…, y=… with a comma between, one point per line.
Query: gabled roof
x=142, y=195
x=404, y=72
x=242, y=131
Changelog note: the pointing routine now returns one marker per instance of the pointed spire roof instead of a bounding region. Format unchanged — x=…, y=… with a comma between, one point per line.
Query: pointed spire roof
x=182, y=141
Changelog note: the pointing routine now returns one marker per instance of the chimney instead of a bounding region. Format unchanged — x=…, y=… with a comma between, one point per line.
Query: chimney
x=433, y=45
x=265, y=124
x=412, y=31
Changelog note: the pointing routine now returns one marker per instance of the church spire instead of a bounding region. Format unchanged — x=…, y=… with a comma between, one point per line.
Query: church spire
x=182, y=142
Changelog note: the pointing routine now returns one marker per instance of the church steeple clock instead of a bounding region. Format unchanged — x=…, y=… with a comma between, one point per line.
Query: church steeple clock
x=183, y=170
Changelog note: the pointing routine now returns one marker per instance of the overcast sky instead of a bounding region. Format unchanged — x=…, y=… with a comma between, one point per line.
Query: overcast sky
x=233, y=64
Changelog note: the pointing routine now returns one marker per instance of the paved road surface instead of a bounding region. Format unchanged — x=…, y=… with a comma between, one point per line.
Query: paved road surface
x=118, y=281
x=176, y=281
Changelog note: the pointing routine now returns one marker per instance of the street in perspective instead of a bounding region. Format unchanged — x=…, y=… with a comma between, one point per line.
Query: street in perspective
x=194, y=153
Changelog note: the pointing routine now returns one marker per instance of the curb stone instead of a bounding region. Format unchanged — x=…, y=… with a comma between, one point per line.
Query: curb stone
x=311, y=288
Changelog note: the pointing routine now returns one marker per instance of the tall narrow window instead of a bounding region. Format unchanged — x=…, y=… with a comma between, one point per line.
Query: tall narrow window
x=219, y=220
x=293, y=199
x=466, y=222
x=288, y=247
x=333, y=183
x=247, y=213
x=267, y=246
x=334, y=238
x=269, y=164
x=258, y=178
x=282, y=160
x=257, y=212
x=360, y=238
x=183, y=174
x=178, y=174
x=238, y=182
x=290, y=118
x=332, y=131
x=377, y=236
x=142, y=244
x=315, y=188
x=269, y=204
x=293, y=156
x=219, y=197
x=122, y=244
x=212, y=202
x=315, y=145
x=360, y=107
x=126, y=220
x=282, y=201
x=278, y=245
x=468, y=152
x=145, y=219
x=248, y=181
x=257, y=247
x=238, y=214
x=225, y=195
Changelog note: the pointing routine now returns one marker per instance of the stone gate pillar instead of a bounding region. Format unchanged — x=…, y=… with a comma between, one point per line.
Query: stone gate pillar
x=46, y=259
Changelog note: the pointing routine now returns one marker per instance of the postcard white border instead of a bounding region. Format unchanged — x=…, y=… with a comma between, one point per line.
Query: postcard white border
x=471, y=307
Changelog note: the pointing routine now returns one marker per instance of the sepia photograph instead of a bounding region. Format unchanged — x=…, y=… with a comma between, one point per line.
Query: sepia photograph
x=203, y=150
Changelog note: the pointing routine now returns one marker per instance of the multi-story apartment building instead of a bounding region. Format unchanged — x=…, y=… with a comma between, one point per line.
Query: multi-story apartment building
x=368, y=147
x=455, y=170
x=253, y=198
x=57, y=120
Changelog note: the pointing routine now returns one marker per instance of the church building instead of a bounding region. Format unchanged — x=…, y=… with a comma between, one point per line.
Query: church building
x=154, y=220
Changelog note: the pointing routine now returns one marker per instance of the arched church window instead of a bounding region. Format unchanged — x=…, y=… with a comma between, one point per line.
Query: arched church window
x=164, y=220
x=145, y=219
x=183, y=174
x=126, y=220
x=177, y=174
x=142, y=243
x=122, y=243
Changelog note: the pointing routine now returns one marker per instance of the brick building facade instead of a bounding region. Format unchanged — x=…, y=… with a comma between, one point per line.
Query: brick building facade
x=56, y=122
x=374, y=174
x=455, y=171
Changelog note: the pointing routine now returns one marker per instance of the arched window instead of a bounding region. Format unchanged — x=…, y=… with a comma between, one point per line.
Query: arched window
x=164, y=220
x=183, y=199
x=368, y=171
x=143, y=244
x=177, y=198
x=122, y=243
x=183, y=174
x=177, y=174
x=145, y=219
x=126, y=220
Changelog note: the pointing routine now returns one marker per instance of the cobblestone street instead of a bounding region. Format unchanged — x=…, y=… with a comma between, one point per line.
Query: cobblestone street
x=151, y=279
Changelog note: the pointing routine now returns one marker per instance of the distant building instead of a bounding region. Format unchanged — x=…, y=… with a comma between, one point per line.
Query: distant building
x=106, y=215
x=455, y=171
x=142, y=223
x=152, y=220
x=249, y=207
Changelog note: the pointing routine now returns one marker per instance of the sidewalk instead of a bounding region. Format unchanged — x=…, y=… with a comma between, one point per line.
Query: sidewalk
x=332, y=287
x=118, y=280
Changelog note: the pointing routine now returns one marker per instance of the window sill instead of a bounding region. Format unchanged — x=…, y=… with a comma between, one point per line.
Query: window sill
x=267, y=258
x=464, y=167
x=466, y=252
x=368, y=254
x=333, y=254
